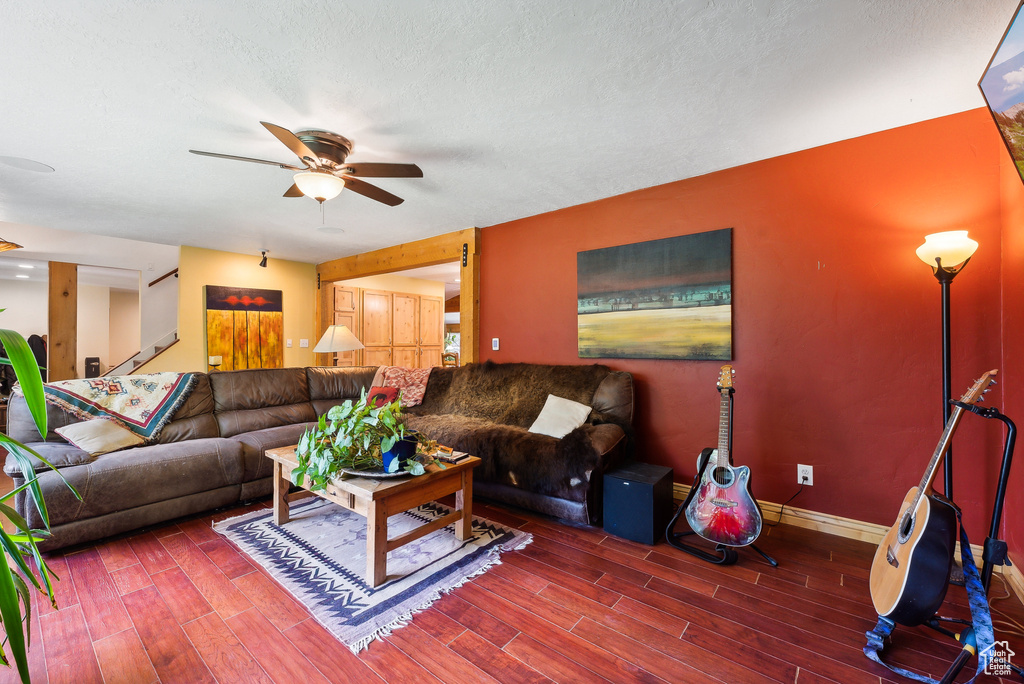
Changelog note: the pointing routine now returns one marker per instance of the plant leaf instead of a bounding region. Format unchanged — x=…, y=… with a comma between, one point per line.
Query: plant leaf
x=24, y=362
x=10, y=613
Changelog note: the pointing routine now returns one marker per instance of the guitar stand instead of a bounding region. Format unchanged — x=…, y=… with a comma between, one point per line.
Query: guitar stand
x=994, y=550
x=726, y=555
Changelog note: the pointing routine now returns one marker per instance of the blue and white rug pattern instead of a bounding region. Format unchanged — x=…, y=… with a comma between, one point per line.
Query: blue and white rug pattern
x=319, y=555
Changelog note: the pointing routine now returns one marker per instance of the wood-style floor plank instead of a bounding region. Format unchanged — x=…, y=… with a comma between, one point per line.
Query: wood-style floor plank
x=100, y=605
x=334, y=660
x=181, y=603
x=225, y=598
x=123, y=659
x=172, y=654
x=282, y=660
x=222, y=652
x=70, y=658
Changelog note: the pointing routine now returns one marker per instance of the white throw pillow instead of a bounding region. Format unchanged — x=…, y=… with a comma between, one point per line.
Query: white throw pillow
x=99, y=436
x=559, y=417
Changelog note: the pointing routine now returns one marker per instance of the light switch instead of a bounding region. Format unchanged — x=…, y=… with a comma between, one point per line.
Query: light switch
x=288, y=343
x=494, y=343
x=303, y=343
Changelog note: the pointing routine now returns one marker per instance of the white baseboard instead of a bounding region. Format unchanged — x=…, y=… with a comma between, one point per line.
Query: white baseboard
x=857, y=529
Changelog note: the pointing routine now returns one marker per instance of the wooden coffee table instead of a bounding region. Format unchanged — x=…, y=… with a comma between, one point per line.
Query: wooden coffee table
x=376, y=499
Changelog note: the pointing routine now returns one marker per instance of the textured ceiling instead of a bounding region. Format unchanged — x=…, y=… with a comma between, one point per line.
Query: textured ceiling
x=510, y=108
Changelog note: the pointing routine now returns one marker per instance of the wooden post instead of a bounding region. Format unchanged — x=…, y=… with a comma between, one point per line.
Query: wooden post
x=469, y=302
x=62, y=322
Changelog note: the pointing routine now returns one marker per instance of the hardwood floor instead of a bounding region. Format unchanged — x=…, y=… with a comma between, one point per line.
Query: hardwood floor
x=181, y=604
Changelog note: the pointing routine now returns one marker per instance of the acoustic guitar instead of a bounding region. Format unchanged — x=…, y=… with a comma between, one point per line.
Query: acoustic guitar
x=723, y=511
x=910, y=571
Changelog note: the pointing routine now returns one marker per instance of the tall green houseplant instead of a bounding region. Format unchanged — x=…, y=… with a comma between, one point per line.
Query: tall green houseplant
x=21, y=558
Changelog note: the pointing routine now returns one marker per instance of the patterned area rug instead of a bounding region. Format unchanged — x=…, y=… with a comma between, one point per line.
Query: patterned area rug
x=319, y=555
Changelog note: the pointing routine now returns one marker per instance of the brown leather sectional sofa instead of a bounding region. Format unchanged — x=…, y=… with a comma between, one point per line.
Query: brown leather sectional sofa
x=211, y=454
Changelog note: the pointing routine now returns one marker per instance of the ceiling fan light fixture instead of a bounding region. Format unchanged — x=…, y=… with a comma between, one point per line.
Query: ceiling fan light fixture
x=319, y=185
x=6, y=245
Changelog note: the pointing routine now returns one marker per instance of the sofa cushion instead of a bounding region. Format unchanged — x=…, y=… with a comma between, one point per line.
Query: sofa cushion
x=21, y=427
x=194, y=420
x=140, y=476
x=59, y=454
x=255, y=443
x=99, y=436
x=247, y=400
x=329, y=386
x=559, y=417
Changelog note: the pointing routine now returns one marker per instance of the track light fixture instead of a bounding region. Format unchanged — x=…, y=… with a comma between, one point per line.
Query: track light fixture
x=263, y=262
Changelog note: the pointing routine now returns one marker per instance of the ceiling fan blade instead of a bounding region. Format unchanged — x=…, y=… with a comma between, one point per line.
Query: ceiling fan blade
x=382, y=170
x=293, y=191
x=248, y=159
x=292, y=142
x=372, y=191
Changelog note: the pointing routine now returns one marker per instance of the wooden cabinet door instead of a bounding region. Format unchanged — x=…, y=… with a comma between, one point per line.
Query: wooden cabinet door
x=346, y=312
x=406, y=357
x=430, y=357
x=377, y=356
x=346, y=299
x=376, y=319
x=405, y=319
x=349, y=358
x=431, y=321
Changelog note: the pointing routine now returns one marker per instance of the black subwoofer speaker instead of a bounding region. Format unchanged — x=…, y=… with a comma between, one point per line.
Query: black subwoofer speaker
x=638, y=502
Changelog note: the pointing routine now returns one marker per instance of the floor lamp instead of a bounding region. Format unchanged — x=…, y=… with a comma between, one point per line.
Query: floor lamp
x=337, y=338
x=947, y=253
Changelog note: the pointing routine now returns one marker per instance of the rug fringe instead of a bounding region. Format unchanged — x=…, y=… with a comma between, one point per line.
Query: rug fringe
x=494, y=558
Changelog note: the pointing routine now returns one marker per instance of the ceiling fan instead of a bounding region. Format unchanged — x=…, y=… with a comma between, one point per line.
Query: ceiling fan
x=325, y=173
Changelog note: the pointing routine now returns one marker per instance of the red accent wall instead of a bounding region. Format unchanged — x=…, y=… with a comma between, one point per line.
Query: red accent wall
x=836, y=323
x=1013, y=342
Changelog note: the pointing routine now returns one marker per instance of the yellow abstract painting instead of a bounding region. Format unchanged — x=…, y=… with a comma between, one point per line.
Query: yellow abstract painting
x=244, y=327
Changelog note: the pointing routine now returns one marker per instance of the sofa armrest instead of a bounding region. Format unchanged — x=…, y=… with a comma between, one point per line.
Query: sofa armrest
x=609, y=443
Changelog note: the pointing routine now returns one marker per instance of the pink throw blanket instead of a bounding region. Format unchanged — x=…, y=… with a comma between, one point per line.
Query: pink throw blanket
x=411, y=383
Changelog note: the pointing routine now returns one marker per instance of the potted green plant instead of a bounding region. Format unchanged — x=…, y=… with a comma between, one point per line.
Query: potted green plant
x=357, y=436
x=20, y=550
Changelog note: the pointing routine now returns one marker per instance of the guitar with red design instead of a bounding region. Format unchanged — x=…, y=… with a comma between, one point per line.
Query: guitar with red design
x=723, y=511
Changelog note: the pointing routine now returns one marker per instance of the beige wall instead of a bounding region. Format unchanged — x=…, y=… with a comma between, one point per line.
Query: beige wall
x=124, y=326
x=93, y=327
x=198, y=267
x=396, y=283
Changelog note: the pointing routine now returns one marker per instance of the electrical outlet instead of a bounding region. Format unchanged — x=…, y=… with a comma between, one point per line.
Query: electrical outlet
x=804, y=474
x=494, y=344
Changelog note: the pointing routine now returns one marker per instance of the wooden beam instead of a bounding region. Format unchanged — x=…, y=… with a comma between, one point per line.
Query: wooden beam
x=62, y=322
x=427, y=252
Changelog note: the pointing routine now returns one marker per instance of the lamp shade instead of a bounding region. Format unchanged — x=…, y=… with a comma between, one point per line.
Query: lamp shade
x=319, y=185
x=337, y=338
x=953, y=248
x=216, y=360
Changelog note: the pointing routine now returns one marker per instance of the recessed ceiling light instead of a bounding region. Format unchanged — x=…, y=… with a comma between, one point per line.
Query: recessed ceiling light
x=26, y=164
x=458, y=280
x=25, y=266
x=21, y=275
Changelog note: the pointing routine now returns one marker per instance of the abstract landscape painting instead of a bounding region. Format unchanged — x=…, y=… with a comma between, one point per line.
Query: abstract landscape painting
x=663, y=299
x=244, y=327
x=1003, y=88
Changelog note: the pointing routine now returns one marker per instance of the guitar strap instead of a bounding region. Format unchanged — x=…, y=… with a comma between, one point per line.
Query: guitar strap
x=980, y=617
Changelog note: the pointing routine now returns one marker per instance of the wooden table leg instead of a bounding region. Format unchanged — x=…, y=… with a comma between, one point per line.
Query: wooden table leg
x=464, y=503
x=281, y=487
x=376, y=543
